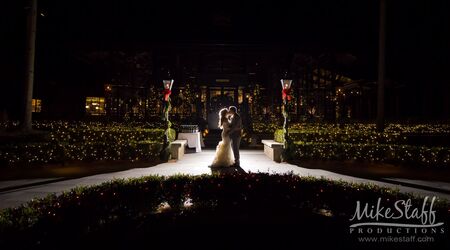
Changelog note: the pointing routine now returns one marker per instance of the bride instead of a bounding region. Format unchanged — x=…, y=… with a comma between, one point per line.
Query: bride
x=224, y=154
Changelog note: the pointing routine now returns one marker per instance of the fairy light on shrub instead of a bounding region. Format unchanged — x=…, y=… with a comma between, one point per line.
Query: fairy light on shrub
x=86, y=141
x=141, y=141
x=140, y=200
x=362, y=142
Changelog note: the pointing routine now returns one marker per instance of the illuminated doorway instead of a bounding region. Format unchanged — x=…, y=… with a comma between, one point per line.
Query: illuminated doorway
x=219, y=97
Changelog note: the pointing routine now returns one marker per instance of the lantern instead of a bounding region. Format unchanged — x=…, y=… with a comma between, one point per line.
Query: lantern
x=286, y=90
x=167, y=89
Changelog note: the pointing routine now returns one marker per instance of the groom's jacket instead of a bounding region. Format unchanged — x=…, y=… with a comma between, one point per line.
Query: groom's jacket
x=236, y=126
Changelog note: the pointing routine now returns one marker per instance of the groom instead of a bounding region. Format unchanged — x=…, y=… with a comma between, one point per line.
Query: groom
x=235, y=133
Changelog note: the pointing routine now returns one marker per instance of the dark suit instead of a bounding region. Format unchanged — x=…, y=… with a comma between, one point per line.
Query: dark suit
x=235, y=136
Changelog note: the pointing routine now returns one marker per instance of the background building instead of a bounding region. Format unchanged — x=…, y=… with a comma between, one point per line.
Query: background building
x=211, y=76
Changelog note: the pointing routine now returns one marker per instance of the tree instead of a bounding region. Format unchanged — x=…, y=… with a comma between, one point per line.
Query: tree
x=381, y=66
x=30, y=61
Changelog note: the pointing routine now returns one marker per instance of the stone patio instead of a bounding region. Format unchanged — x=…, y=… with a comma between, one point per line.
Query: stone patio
x=197, y=164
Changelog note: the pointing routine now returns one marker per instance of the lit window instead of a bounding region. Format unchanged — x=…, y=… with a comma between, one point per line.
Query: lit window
x=203, y=97
x=36, y=105
x=95, y=105
x=240, y=96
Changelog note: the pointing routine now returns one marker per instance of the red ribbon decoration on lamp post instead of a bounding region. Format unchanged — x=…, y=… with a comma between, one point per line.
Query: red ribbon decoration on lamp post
x=167, y=93
x=286, y=94
x=166, y=101
x=286, y=90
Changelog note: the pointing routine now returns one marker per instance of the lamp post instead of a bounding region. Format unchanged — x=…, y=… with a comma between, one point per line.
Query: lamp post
x=287, y=97
x=166, y=109
x=166, y=100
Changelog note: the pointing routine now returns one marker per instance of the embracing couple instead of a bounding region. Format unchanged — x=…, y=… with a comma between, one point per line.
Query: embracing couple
x=227, y=151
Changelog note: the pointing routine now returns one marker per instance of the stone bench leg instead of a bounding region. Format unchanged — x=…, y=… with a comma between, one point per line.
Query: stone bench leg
x=177, y=151
x=274, y=152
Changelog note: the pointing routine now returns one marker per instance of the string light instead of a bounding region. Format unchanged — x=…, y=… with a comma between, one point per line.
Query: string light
x=86, y=141
x=117, y=141
x=363, y=142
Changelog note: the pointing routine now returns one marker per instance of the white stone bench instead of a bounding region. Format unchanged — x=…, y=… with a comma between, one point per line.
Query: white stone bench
x=273, y=149
x=177, y=149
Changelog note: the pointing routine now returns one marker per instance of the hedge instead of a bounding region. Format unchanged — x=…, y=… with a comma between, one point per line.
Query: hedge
x=66, y=141
x=134, y=207
x=363, y=142
x=405, y=154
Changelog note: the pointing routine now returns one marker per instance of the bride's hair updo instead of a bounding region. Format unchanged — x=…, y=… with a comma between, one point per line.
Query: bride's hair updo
x=222, y=116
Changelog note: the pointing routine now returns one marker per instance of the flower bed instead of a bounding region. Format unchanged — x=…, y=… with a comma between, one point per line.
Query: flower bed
x=83, y=141
x=117, y=210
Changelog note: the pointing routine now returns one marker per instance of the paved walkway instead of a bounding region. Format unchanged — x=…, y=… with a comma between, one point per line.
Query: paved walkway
x=197, y=164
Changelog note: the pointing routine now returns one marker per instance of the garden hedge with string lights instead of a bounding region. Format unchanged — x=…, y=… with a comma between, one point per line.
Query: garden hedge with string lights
x=61, y=141
x=363, y=143
x=149, y=209
x=91, y=141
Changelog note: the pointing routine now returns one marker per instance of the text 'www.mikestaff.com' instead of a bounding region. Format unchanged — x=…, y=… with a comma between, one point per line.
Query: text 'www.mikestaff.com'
x=396, y=239
x=401, y=221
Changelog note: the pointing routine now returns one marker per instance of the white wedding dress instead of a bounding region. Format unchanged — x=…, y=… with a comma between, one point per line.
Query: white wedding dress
x=224, y=154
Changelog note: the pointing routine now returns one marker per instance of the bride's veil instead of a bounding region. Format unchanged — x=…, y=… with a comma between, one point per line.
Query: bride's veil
x=222, y=114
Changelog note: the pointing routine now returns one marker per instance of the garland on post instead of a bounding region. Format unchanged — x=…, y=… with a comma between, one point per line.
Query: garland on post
x=165, y=153
x=286, y=97
x=286, y=94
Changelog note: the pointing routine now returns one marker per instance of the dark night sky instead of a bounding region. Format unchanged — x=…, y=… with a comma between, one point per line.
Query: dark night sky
x=416, y=29
x=417, y=32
